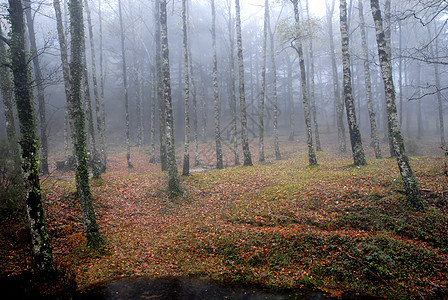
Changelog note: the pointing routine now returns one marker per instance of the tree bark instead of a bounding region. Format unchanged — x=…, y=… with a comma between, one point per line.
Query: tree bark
x=336, y=88
x=244, y=138
x=65, y=71
x=313, y=87
x=263, y=85
x=94, y=159
x=355, y=134
x=233, y=88
x=78, y=127
x=278, y=155
x=306, y=108
x=42, y=251
x=43, y=166
x=409, y=181
x=6, y=92
x=368, y=83
x=174, y=188
x=217, y=105
x=186, y=164
x=98, y=157
x=102, y=119
x=435, y=53
x=162, y=113
x=126, y=88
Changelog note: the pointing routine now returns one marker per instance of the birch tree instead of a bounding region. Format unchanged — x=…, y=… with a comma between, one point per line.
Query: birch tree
x=217, y=113
x=278, y=155
x=355, y=134
x=409, y=180
x=263, y=85
x=233, y=87
x=336, y=87
x=368, y=83
x=244, y=137
x=42, y=251
x=186, y=164
x=298, y=46
x=312, y=83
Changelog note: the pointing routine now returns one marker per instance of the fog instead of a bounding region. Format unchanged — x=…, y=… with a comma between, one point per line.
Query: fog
x=418, y=43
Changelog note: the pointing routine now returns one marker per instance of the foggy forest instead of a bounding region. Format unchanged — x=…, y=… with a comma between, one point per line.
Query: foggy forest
x=211, y=149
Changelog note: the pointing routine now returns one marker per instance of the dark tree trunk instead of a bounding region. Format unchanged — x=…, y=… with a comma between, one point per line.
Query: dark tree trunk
x=217, y=105
x=244, y=137
x=78, y=127
x=409, y=181
x=43, y=166
x=42, y=250
x=355, y=134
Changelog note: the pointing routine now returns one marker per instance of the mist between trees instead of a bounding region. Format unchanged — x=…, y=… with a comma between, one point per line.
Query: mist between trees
x=170, y=74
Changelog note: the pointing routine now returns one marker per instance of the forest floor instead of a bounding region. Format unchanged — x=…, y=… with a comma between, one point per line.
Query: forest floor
x=277, y=224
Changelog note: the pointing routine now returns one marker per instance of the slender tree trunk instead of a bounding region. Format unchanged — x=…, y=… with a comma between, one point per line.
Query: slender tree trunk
x=233, y=88
x=278, y=155
x=65, y=72
x=400, y=72
x=102, y=119
x=152, y=153
x=174, y=188
x=336, y=88
x=42, y=250
x=43, y=166
x=355, y=134
x=126, y=88
x=195, y=113
x=6, y=92
x=162, y=113
x=186, y=164
x=78, y=127
x=435, y=51
x=263, y=85
x=97, y=156
x=299, y=49
x=217, y=105
x=368, y=83
x=292, y=115
x=94, y=159
x=409, y=181
x=313, y=87
x=388, y=36
x=244, y=137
